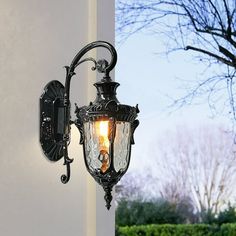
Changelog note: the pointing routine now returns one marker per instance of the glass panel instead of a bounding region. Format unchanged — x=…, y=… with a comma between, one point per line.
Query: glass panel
x=122, y=145
x=97, y=145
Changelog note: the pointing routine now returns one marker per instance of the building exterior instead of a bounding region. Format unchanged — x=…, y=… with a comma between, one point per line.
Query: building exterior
x=38, y=38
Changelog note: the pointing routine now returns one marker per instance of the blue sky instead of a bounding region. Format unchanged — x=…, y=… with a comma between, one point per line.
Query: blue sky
x=149, y=77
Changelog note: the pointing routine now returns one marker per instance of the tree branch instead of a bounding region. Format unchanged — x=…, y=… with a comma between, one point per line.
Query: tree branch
x=218, y=58
x=228, y=54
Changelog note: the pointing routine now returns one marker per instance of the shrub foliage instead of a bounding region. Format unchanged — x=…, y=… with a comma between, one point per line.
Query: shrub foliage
x=154, y=212
x=178, y=230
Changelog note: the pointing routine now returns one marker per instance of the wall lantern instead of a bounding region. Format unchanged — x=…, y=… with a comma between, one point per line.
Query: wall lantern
x=106, y=127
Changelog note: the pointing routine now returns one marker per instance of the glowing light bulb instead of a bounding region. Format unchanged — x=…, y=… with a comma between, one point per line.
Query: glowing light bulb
x=102, y=133
x=103, y=128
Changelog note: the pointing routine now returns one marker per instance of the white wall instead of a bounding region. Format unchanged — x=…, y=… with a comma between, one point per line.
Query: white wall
x=39, y=37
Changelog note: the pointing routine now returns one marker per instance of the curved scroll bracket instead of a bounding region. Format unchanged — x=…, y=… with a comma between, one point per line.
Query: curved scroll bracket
x=101, y=65
x=108, y=67
x=67, y=161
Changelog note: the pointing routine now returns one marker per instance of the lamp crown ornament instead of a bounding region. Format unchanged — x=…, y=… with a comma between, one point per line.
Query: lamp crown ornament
x=106, y=126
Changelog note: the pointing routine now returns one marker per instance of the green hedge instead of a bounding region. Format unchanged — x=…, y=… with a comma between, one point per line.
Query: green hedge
x=178, y=230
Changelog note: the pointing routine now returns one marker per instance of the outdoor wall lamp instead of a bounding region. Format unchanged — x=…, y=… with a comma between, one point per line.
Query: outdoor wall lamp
x=106, y=127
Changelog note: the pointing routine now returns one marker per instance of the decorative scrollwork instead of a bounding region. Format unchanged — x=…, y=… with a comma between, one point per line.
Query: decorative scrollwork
x=88, y=59
x=79, y=124
x=67, y=161
x=108, y=67
x=66, y=177
x=102, y=65
x=96, y=110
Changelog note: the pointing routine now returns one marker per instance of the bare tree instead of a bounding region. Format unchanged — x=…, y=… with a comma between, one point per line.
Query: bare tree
x=137, y=186
x=199, y=163
x=206, y=27
x=129, y=188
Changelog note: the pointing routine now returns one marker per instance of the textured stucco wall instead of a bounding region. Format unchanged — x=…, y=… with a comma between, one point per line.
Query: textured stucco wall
x=37, y=38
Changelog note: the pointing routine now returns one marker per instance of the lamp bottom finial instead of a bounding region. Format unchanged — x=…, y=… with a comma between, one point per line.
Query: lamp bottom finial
x=108, y=197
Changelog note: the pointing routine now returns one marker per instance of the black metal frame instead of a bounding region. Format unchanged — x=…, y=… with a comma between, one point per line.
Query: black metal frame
x=55, y=116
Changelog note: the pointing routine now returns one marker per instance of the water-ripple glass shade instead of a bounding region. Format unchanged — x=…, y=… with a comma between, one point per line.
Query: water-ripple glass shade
x=98, y=146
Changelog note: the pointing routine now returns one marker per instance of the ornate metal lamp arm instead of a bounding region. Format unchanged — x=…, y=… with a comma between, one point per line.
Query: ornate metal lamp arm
x=103, y=67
